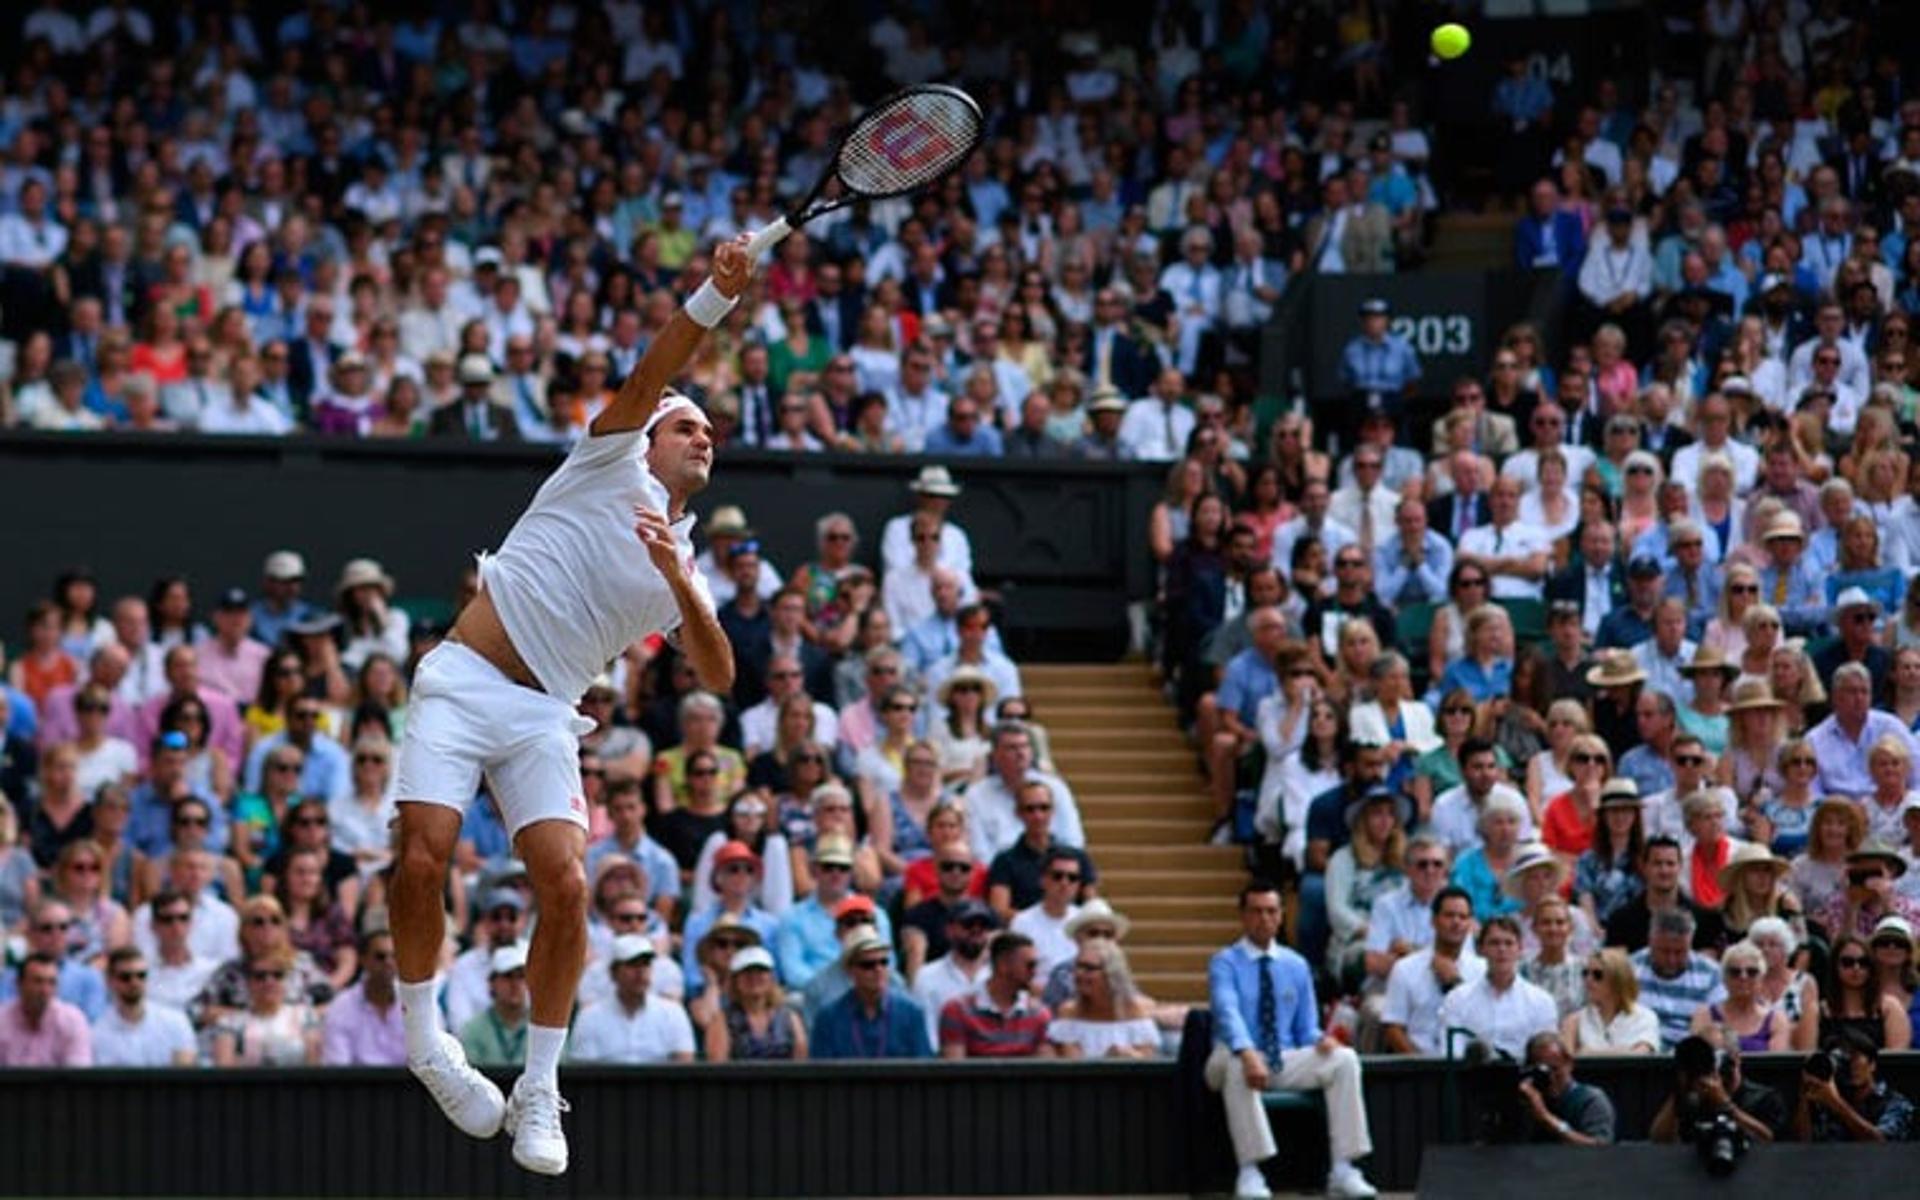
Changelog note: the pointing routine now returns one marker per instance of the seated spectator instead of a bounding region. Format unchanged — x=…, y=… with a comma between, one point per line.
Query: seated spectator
x=873, y=1019
x=49, y=926
x=1869, y=895
x=737, y=873
x=1480, y=870
x=1745, y=1017
x=1607, y=875
x=1267, y=1034
x=269, y=1030
x=628, y=838
x=688, y=823
x=881, y=766
x=923, y=933
x=1753, y=885
x=37, y=1028
x=1564, y=1112
x=1844, y=741
x=1370, y=864
x=497, y=1035
x=992, y=802
x=177, y=971
x=1612, y=1020
x=362, y=1025
x=635, y=1024
x=1853, y=999
x=308, y=829
x=134, y=1033
x=701, y=715
x=1854, y=1105
x=1500, y=1009
x=1557, y=939
x=1485, y=669
x=806, y=940
x=1106, y=1017
x=1675, y=979
x=1017, y=878
x=100, y=924
x=1001, y=1018
x=747, y=824
x=317, y=924
x=1660, y=868
x=1567, y=820
x=1420, y=980
x=899, y=816
x=754, y=1022
x=946, y=825
x=1044, y=922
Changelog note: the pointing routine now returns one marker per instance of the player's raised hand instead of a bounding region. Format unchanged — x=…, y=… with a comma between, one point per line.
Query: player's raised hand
x=732, y=267
x=657, y=536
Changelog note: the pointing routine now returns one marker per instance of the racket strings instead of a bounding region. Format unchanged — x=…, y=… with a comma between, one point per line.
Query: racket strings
x=907, y=144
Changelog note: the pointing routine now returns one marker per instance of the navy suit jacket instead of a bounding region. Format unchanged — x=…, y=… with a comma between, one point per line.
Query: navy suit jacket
x=1567, y=235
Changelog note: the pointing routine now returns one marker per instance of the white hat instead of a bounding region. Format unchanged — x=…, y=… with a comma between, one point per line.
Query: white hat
x=1854, y=597
x=487, y=256
x=507, y=958
x=285, y=564
x=474, y=368
x=1097, y=912
x=749, y=958
x=630, y=946
x=934, y=481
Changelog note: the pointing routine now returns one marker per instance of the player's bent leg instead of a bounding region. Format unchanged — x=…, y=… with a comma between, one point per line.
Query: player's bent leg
x=417, y=916
x=554, y=851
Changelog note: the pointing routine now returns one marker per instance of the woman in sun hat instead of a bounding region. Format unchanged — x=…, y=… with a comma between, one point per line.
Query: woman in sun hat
x=370, y=622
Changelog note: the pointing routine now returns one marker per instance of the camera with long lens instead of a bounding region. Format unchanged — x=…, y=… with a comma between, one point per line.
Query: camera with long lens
x=1540, y=1075
x=1719, y=1142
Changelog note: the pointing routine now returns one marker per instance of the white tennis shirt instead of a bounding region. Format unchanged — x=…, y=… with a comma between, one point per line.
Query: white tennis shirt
x=573, y=584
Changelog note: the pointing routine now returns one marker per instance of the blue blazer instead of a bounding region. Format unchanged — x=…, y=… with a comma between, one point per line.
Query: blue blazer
x=1567, y=235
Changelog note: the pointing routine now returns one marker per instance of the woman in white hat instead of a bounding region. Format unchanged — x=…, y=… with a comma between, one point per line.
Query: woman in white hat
x=1536, y=874
x=1107, y=1016
x=370, y=621
x=754, y=1021
x=1893, y=955
x=1753, y=739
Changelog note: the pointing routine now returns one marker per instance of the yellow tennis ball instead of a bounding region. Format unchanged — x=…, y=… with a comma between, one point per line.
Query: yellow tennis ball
x=1451, y=41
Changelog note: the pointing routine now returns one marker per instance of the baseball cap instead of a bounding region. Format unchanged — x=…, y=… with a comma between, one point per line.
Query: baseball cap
x=852, y=905
x=630, y=947
x=285, y=564
x=474, y=368
x=506, y=959
x=503, y=898
x=750, y=958
x=1373, y=306
x=487, y=256
x=969, y=910
x=1644, y=566
x=231, y=599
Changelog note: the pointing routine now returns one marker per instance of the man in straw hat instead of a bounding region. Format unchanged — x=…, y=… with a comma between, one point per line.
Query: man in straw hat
x=1844, y=741
x=1105, y=410
x=727, y=528
x=1855, y=614
x=934, y=492
x=1870, y=895
x=874, y=1018
x=1789, y=580
x=601, y=559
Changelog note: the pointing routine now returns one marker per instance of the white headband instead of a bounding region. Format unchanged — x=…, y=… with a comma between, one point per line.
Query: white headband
x=670, y=403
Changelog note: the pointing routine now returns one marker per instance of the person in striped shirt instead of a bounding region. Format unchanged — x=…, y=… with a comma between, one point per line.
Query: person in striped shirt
x=1001, y=1018
x=1674, y=980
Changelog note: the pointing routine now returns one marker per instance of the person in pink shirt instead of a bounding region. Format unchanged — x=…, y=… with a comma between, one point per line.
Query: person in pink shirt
x=225, y=732
x=230, y=660
x=38, y=1029
x=58, y=720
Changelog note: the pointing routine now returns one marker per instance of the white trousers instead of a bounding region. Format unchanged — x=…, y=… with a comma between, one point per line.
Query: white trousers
x=1337, y=1074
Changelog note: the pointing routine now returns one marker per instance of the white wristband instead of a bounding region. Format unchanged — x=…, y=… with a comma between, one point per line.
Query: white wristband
x=707, y=307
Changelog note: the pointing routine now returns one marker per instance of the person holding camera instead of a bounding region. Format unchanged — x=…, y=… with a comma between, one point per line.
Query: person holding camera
x=1843, y=1099
x=1709, y=1083
x=1562, y=1110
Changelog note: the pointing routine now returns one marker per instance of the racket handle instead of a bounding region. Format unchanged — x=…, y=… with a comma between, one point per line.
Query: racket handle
x=767, y=238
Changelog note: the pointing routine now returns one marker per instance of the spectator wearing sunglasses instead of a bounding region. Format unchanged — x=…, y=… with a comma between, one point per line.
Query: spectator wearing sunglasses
x=326, y=769
x=876, y=1017
x=749, y=822
x=177, y=972
x=79, y=983
x=807, y=941
x=37, y=1028
x=135, y=1032
x=736, y=877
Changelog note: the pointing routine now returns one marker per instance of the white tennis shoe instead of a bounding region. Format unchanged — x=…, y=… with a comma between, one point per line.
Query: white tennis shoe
x=471, y=1101
x=533, y=1118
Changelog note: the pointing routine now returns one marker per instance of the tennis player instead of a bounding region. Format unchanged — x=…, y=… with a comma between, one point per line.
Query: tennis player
x=599, y=560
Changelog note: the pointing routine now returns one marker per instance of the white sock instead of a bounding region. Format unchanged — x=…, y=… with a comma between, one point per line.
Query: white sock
x=544, y=1043
x=422, y=1018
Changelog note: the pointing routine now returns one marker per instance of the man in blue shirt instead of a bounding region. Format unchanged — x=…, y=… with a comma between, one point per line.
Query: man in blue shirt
x=963, y=435
x=1266, y=1034
x=873, y=1019
x=1378, y=361
x=1228, y=717
x=156, y=802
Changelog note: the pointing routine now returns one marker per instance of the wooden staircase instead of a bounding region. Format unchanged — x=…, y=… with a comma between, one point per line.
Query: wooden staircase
x=1147, y=816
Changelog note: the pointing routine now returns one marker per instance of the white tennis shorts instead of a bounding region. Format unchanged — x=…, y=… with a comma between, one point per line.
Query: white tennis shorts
x=466, y=718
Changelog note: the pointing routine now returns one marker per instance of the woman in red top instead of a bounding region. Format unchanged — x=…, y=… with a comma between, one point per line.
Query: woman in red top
x=44, y=666
x=1566, y=825
x=160, y=352
x=946, y=825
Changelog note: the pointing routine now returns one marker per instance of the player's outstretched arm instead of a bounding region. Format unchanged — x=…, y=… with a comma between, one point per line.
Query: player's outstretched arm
x=701, y=637
x=668, y=354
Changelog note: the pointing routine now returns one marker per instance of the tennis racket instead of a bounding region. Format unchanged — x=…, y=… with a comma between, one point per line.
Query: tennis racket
x=910, y=140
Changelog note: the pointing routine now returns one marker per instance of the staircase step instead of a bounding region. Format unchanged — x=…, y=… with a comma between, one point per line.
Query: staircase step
x=1144, y=905
x=1059, y=718
x=1188, y=958
x=1132, y=740
x=1135, y=674
x=1124, y=881
x=1174, y=931
x=1116, y=696
x=1158, y=759
x=1171, y=857
x=1119, y=796
x=1107, y=832
x=1173, y=987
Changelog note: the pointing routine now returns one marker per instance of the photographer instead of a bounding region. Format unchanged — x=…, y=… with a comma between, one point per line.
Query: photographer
x=1710, y=1083
x=1843, y=1100
x=1572, y=1114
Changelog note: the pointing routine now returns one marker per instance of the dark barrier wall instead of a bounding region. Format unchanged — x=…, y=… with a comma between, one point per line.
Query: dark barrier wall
x=1095, y=1128
x=1065, y=543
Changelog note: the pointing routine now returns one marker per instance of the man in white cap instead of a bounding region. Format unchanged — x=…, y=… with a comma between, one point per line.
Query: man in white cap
x=496, y=1036
x=636, y=1025
x=601, y=559
x=280, y=604
x=1854, y=614
x=933, y=491
x=476, y=416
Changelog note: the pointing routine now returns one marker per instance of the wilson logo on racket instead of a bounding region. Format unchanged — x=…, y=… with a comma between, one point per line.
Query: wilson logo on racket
x=907, y=142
